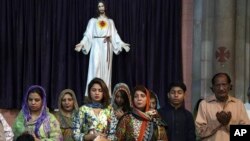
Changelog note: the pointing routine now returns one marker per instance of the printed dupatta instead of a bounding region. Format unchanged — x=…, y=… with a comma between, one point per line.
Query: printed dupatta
x=147, y=126
x=146, y=130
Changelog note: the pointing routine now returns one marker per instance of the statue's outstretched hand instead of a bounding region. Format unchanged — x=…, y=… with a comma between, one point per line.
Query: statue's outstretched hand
x=78, y=47
x=126, y=47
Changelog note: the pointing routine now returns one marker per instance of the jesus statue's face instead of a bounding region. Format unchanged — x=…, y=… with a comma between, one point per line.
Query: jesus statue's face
x=101, y=8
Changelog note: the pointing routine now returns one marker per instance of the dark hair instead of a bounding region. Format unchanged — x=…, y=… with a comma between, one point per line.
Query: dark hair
x=221, y=74
x=139, y=88
x=124, y=96
x=25, y=137
x=106, y=99
x=177, y=84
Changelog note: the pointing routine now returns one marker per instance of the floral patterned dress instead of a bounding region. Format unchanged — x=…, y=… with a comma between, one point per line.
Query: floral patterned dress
x=86, y=120
x=130, y=126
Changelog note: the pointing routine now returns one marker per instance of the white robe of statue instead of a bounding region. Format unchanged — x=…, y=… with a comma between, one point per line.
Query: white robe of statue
x=101, y=39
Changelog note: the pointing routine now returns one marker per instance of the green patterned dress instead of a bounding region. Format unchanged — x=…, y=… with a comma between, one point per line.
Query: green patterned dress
x=47, y=132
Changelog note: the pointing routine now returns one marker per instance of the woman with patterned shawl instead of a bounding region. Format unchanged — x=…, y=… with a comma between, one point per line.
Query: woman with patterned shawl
x=139, y=126
x=35, y=119
x=121, y=104
x=68, y=106
x=93, y=119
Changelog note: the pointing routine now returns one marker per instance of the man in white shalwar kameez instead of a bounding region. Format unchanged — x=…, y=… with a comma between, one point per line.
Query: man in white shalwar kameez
x=101, y=39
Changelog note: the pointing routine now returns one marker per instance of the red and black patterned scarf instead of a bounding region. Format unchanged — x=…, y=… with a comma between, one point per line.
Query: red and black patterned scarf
x=146, y=118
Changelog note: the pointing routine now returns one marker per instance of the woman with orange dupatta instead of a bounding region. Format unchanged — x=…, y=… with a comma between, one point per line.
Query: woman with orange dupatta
x=138, y=125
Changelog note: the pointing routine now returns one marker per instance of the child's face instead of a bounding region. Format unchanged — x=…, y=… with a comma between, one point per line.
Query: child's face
x=152, y=103
x=176, y=96
x=118, y=99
